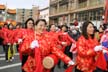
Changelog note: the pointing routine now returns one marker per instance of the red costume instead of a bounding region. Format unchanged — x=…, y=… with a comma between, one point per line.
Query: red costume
x=10, y=37
x=22, y=33
x=55, y=37
x=87, y=58
x=64, y=37
x=4, y=36
x=46, y=47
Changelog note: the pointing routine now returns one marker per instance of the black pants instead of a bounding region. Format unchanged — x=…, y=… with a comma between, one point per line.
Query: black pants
x=24, y=59
x=6, y=51
x=4, y=47
x=68, y=53
x=17, y=46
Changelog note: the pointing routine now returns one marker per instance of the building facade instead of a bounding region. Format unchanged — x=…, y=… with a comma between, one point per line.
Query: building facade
x=24, y=14
x=66, y=11
x=7, y=15
x=44, y=14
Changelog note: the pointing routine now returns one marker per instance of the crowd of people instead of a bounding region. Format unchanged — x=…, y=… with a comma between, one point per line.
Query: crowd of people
x=41, y=48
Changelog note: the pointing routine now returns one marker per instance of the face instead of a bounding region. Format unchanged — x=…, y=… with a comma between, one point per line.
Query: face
x=10, y=27
x=53, y=28
x=40, y=26
x=64, y=28
x=90, y=29
x=100, y=30
x=5, y=26
x=30, y=24
x=17, y=27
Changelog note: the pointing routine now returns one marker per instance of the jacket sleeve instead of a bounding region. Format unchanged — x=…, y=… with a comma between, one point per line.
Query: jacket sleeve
x=59, y=53
x=25, y=46
x=83, y=50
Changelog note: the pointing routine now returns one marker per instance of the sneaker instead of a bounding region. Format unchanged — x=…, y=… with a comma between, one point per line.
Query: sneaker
x=13, y=58
x=10, y=60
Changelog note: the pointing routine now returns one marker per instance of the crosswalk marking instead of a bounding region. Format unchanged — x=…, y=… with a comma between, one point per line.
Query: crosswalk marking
x=2, y=58
x=10, y=66
x=4, y=54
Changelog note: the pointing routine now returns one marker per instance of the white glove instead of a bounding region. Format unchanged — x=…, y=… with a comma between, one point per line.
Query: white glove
x=71, y=63
x=19, y=41
x=9, y=44
x=105, y=51
x=34, y=44
x=98, y=48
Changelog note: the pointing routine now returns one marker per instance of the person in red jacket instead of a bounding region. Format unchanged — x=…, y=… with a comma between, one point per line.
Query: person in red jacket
x=4, y=31
x=66, y=42
x=9, y=43
x=39, y=45
x=89, y=53
x=16, y=32
x=21, y=35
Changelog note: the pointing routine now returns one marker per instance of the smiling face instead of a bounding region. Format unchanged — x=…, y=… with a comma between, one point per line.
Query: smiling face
x=53, y=28
x=90, y=29
x=40, y=26
x=30, y=24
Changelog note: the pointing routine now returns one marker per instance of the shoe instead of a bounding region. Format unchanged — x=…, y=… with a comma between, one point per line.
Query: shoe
x=12, y=58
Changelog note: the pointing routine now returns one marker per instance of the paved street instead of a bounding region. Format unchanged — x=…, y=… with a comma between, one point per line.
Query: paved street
x=15, y=65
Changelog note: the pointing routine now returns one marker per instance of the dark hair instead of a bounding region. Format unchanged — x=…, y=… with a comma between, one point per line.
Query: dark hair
x=36, y=23
x=64, y=26
x=5, y=24
x=84, y=29
x=95, y=29
x=27, y=21
x=51, y=25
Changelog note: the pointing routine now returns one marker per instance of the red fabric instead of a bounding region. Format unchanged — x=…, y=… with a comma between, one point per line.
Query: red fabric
x=22, y=35
x=55, y=38
x=4, y=30
x=86, y=54
x=38, y=59
x=106, y=12
x=64, y=37
x=10, y=36
x=101, y=62
x=46, y=47
x=76, y=23
x=69, y=69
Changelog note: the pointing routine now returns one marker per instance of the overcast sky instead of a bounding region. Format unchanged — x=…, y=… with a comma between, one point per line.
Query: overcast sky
x=25, y=3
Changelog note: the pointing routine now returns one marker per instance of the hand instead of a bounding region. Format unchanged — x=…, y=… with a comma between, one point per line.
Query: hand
x=98, y=48
x=34, y=44
x=71, y=63
x=19, y=41
x=104, y=51
x=73, y=45
x=64, y=43
x=9, y=43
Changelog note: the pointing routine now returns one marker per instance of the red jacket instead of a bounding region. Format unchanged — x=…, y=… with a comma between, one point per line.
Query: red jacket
x=46, y=47
x=4, y=36
x=87, y=58
x=10, y=36
x=64, y=37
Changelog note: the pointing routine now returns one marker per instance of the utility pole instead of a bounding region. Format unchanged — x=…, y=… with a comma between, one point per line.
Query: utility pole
x=5, y=16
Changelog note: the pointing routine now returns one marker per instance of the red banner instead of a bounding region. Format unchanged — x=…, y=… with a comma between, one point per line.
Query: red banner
x=106, y=12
